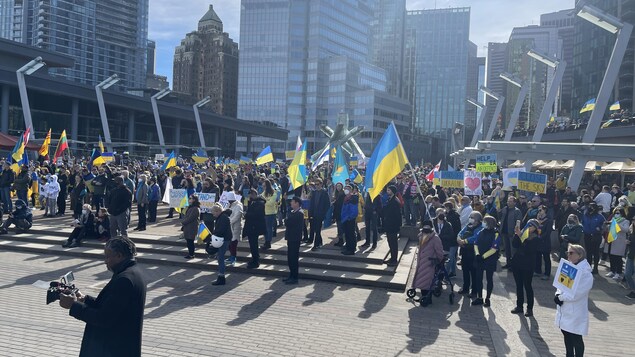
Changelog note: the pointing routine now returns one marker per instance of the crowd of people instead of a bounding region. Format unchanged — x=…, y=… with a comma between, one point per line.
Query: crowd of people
x=255, y=201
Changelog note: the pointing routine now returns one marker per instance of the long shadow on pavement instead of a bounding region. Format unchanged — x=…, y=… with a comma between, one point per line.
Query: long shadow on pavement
x=376, y=301
x=52, y=275
x=257, y=307
x=322, y=292
x=424, y=325
x=471, y=319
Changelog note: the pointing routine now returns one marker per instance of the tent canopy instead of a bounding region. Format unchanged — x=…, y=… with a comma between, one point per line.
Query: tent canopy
x=7, y=142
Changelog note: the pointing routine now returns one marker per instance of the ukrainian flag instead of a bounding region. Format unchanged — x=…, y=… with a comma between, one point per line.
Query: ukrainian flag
x=388, y=160
x=615, y=106
x=356, y=177
x=95, y=159
x=613, y=231
x=524, y=234
x=588, y=106
x=297, y=168
x=203, y=232
x=244, y=160
x=170, y=161
x=17, y=155
x=340, y=169
x=354, y=161
x=265, y=156
x=200, y=156
x=107, y=156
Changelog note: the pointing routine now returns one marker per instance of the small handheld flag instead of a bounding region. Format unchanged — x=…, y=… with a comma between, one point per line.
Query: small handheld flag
x=203, y=232
x=588, y=106
x=265, y=156
x=613, y=231
x=615, y=106
x=170, y=161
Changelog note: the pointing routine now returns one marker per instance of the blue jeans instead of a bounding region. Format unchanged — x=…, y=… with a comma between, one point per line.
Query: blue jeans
x=221, y=257
x=5, y=193
x=270, y=222
x=628, y=273
x=450, y=266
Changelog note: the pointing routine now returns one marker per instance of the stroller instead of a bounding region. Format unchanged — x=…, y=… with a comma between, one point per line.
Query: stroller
x=441, y=278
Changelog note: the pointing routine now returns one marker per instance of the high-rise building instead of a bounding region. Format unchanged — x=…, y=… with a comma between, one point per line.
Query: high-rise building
x=538, y=75
x=206, y=64
x=496, y=64
x=563, y=21
x=436, y=54
x=154, y=81
x=592, y=48
x=303, y=62
x=104, y=37
x=475, y=79
x=388, y=30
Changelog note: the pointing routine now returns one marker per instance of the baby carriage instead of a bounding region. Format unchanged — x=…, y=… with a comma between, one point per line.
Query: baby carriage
x=441, y=278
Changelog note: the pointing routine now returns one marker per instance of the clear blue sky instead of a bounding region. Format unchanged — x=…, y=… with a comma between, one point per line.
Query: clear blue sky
x=491, y=20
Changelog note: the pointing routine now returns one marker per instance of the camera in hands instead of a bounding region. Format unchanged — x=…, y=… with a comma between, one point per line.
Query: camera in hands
x=64, y=285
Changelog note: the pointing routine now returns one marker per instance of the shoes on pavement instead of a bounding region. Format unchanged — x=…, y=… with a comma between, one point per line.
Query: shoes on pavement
x=486, y=304
x=291, y=281
x=188, y=257
x=348, y=252
x=315, y=249
x=339, y=243
x=529, y=313
x=595, y=271
x=517, y=310
x=462, y=291
x=252, y=265
x=374, y=246
x=220, y=280
x=617, y=277
x=609, y=274
x=631, y=295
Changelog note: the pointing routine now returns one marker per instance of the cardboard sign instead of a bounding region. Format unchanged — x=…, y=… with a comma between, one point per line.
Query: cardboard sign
x=565, y=278
x=452, y=179
x=486, y=163
x=178, y=198
x=207, y=200
x=510, y=176
x=532, y=182
x=473, y=183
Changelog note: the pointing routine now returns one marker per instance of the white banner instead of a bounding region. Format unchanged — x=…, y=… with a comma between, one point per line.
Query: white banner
x=177, y=196
x=510, y=176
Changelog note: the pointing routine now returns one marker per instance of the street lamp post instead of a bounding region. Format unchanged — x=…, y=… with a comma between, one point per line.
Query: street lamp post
x=559, y=66
x=197, y=116
x=157, y=119
x=481, y=117
x=623, y=31
x=27, y=70
x=99, y=88
x=497, y=111
x=524, y=89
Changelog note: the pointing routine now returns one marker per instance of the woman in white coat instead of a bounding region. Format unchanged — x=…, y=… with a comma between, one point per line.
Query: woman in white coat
x=572, y=311
x=235, y=220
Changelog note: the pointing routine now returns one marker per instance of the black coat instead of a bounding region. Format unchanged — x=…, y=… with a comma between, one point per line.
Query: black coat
x=525, y=256
x=222, y=226
x=448, y=238
x=114, y=320
x=255, y=224
x=319, y=204
x=295, y=226
x=6, y=178
x=392, y=216
x=455, y=220
x=120, y=200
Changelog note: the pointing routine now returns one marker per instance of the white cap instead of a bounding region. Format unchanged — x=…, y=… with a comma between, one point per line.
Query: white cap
x=230, y=196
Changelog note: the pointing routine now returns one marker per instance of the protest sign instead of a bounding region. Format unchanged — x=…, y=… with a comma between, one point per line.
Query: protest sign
x=178, y=198
x=565, y=278
x=207, y=200
x=486, y=163
x=452, y=179
x=532, y=182
x=510, y=176
x=473, y=183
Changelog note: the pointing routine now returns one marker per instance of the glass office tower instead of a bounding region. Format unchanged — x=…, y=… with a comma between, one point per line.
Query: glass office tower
x=104, y=37
x=437, y=49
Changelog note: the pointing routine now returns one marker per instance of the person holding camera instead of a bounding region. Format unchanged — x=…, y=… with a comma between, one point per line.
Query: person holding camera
x=114, y=320
x=84, y=227
x=22, y=218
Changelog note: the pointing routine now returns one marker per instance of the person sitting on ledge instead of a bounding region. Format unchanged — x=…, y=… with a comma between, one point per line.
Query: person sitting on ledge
x=84, y=227
x=22, y=218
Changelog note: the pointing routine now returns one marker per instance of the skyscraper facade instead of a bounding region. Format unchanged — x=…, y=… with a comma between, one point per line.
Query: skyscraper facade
x=563, y=22
x=303, y=62
x=475, y=79
x=387, y=47
x=206, y=64
x=496, y=64
x=104, y=37
x=436, y=54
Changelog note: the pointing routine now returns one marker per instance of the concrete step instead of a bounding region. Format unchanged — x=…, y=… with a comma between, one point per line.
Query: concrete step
x=395, y=282
x=179, y=249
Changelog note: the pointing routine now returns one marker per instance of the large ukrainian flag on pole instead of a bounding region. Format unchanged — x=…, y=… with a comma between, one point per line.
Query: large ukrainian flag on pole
x=388, y=160
x=265, y=156
x=297, y=169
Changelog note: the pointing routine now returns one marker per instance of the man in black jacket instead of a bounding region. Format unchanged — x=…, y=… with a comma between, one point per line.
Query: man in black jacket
x=62, y=179
x=21, y=183
x=6, y=181
x=318, y=205
x=114, y=320
x=392, y=224
x=293, y=236
x=509, y=215
x=254, y=226
x=452, y=217
x=118, y=207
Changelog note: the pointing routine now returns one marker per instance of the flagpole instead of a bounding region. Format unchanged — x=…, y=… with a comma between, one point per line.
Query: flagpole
x=409, y=165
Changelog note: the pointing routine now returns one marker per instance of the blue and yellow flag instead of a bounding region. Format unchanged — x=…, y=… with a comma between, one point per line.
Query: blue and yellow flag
x=95, y=159
x=340, y=169
x=615, y=106
x=265, y=156
x=17, y=155
x=356, y=177
x=588, y=106
x=524, y=234
x=203, y=232
x=170, y=161
x=613, y=231
x=200, y=156
x=297, y=168
x=388, y=160
x=244, y=160
x=333, y=152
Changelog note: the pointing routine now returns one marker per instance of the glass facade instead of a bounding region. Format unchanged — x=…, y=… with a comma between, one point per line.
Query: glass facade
x=104, y=37
x=437, y=50
x=304, y=62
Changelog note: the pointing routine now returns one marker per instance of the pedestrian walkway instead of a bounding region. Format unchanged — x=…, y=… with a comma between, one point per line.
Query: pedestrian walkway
x=261, y=316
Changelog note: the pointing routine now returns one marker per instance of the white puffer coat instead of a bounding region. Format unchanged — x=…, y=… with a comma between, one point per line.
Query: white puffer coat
x=573, y=315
